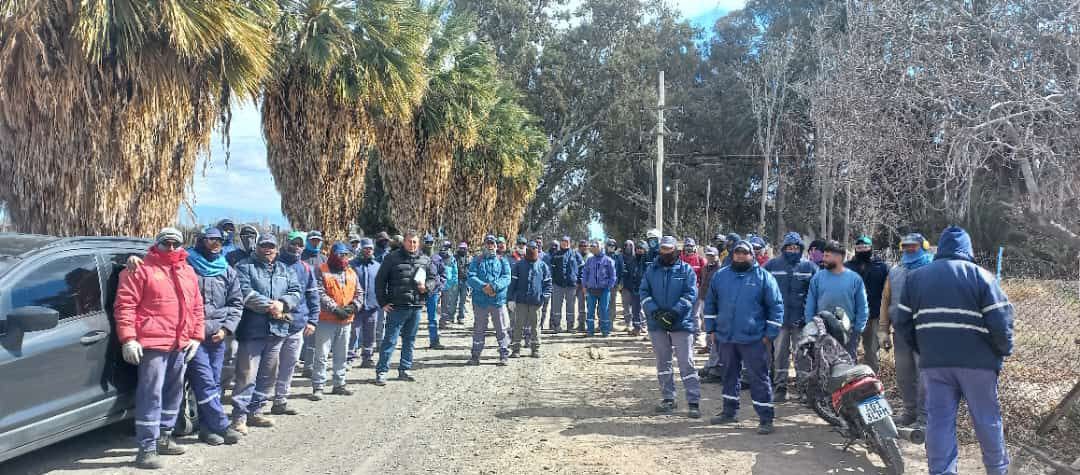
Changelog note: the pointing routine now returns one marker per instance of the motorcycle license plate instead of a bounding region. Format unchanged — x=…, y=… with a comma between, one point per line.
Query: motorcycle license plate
x=874, y=409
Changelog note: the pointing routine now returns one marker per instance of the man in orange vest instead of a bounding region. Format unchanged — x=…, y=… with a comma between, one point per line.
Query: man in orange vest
x=340, y=298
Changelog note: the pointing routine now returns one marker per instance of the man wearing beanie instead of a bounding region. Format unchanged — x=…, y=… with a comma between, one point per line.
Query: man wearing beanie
x=272, y=293
x=164, y=290
x=668, y=291
x=956, y=317
x=530, y=286
x=367, y=327
x=792, y=272
x=874, y=273
x=489, y=277
x=915, y=255
x=340, y=298
x=305, y=317
x=743, y=315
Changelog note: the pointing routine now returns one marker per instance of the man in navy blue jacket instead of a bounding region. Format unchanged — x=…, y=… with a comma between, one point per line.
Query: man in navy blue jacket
x=743, y=314
x=792, y=273
x=530, y=287
x=565, y=266
x=956, y=317
x=668, y=291
x=874, y=273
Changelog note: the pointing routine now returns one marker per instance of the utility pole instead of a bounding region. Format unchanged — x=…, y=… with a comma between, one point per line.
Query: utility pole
x=708, y=195
x=675, y=222
x=660, y=159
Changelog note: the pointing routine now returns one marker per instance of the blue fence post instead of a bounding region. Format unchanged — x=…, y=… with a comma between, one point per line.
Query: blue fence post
x=1001, y=251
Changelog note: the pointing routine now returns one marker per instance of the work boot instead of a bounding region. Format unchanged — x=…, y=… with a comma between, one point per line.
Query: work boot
x=765, y=428
x=316, y=395
x=444, y=325
x=436, y=346
x=239, y=426
x=694, y=412
x=404, y=375
x=461, y=321
x=503, y=361
x=147, y=460
x=721, y=419
x=231, y=436
x=283, y=410
x=166, y=445
x=535, y=353
x=341, y=391
x=210, y=438
x=781, y=395
x=380, y=379
x=473, y=362
x=367, y=363
x=259, y=420
x=667, y=406
x=516, y=353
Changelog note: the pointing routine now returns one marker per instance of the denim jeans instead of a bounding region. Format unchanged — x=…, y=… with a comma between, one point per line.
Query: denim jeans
x=433, y=317
x=404, y=323
x=594, y=304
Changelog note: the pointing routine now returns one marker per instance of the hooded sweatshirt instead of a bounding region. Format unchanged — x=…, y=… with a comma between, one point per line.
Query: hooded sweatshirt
x=953, y=312
x=792, y=274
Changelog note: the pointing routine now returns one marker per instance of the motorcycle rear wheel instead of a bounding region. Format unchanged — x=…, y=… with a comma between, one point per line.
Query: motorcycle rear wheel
x=888, y=448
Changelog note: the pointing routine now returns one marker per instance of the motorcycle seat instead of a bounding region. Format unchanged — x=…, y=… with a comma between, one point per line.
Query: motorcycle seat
x=842, y=374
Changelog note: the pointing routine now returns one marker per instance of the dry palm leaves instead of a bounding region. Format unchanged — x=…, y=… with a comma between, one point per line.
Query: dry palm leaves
x=471, y=204
x=105, y=110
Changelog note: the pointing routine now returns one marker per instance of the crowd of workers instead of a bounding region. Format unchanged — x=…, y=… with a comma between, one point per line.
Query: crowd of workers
x=278, y=308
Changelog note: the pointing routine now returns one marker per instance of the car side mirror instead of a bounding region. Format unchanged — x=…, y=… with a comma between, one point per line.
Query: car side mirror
x=33, y=318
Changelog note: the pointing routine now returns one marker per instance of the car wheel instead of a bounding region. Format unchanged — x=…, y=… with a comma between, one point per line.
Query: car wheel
x=187, y=420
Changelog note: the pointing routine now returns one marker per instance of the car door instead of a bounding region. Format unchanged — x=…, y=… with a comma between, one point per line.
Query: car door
x=53, y=379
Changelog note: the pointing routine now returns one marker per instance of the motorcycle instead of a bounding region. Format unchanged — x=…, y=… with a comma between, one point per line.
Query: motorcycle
x=846, y=395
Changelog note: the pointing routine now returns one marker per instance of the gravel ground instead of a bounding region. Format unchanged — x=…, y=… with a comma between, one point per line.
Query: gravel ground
x=585, y=407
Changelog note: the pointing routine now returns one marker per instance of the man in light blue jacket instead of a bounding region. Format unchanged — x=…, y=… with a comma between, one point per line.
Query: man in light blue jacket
x=743, y=315
x=489, y=278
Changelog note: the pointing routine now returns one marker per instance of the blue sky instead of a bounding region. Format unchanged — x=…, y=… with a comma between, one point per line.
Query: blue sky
x=244, y=189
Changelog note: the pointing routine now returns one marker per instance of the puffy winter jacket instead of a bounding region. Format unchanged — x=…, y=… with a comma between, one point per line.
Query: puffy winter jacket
x=695, y=261
x=441, y=273
x=159, y=304
x=671, y=288
x=530, y=282
x=489, y=269
x=633, y=271
x=743, y=307
x=565, y=265
x=395, y=284
x=307, y=311
x=954, y=312
x=262, y=283
x=222, y=302
x=794, y=282
x=235, y=256
x=874, y=273
x=366, y=269
x=599, y=272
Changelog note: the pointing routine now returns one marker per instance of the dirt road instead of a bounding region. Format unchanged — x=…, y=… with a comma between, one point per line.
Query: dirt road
x=586, y=407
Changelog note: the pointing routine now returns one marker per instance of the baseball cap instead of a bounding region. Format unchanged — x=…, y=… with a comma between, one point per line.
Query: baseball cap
x=314, y=235
x=341, y=248
x=689, y=242
x=668, y=242
x=212, y=233
x=354, y=238
x=912, y=238
x=489, y=239
x=864, y=240
x=710, y=251
x=521, y=240
x=366, y=243
x=266, y=238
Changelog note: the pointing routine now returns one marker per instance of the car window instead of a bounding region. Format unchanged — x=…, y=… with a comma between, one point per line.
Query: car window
x=69, y=285
x=114, y=264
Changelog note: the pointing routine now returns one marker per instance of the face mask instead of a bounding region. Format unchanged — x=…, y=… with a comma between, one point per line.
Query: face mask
x=740, y=266
x=792, y=257
x=336, y=262
x=863, y=256
x=248, y=242
x=668, y=259
x=461, y=253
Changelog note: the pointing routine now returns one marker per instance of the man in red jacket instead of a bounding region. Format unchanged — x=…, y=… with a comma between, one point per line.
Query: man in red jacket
x=697, y=263
x=159, y=321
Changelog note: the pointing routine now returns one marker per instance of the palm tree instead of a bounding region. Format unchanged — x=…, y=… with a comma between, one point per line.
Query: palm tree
x=107, y=105
x=337, y=63
x=507, y=154
x=417, y=157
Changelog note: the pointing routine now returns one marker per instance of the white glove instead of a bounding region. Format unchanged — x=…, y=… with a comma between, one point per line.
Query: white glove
x=132, y=352
x=192, y=347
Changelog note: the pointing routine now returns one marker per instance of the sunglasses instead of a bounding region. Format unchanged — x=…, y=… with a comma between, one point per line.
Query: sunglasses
x=267, y=246
x=169, y=244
